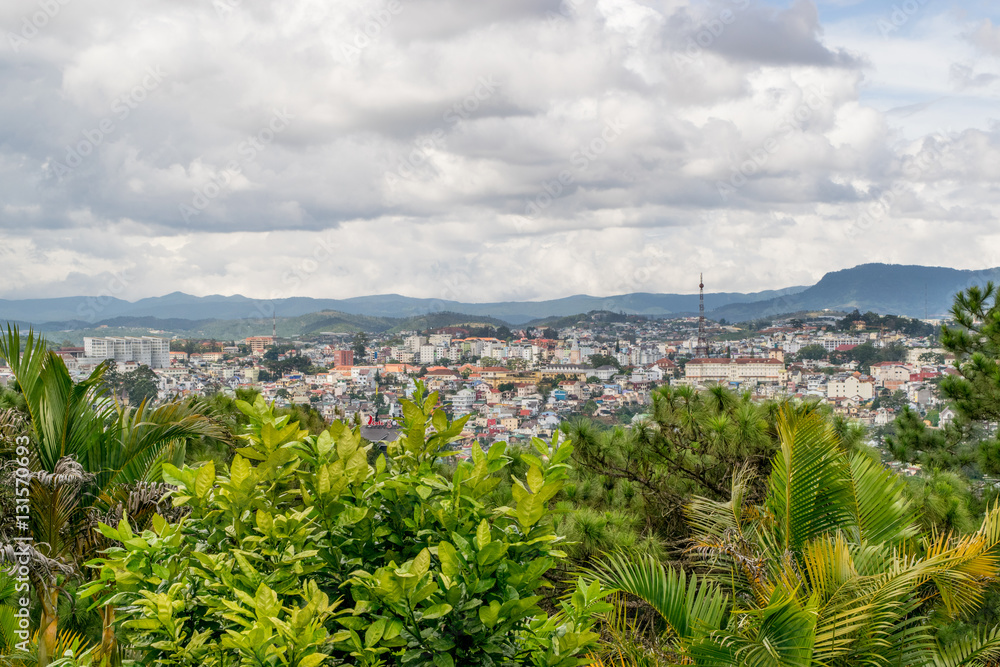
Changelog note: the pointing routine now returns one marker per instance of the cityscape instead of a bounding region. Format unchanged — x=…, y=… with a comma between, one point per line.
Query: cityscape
x=500, y=333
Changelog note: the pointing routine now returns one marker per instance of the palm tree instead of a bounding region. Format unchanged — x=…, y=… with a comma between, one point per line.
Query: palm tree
x=89, y=456
x=830, y=569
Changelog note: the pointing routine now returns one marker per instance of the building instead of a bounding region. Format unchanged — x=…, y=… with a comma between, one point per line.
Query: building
x=147, y=350
x=752, y=370
x=851, y=386
x=342, y=357
x=259, y=344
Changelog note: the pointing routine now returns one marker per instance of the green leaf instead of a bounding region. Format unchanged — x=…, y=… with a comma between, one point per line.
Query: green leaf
x=489, y=615
x=483, y=534
x=535, y=479
x=421, y=563
x=437, y=611
x=205, y=479
x=312, y=660
x=443, y=660
x=374, y=633
x=450, y=563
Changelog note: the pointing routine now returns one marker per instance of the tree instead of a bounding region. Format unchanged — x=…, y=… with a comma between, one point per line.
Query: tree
x=360, y=347
x=975, y=393
x=825, y=570
x=969, y=441
x=89, y=458
x=141, y=385
x=516, y=364
x=550, y=333
x=693, y=443
x=598, y=360
x=814, y=352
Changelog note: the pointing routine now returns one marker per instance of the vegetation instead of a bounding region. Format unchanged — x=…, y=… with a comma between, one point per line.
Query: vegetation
x=829, y=568
x=712, y=529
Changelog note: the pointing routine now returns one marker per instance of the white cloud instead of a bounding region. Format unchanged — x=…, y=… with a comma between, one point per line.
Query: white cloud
x=462, y=150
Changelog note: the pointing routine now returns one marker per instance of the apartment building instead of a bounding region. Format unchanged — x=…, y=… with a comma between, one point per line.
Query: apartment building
x=754, y=370
x=259, y=344
x=148, y=350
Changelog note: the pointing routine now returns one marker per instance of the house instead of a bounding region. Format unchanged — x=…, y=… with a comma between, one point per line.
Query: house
x=850, y=386
x=605, y=373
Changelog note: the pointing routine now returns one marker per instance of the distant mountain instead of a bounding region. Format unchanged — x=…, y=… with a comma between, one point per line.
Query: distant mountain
x=884, y=288
x=73, y=331
x=88, y=311
x=912, y=291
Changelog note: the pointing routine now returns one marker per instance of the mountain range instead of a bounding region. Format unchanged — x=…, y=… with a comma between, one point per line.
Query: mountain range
x=913, y=291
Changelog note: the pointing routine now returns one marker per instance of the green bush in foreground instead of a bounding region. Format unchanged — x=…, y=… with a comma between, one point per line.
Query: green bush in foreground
x=303, y=554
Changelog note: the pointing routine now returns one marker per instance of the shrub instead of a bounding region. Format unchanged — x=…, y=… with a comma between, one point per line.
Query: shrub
x=303, y=554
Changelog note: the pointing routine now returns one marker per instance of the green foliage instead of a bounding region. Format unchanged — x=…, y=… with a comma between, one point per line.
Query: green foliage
x=814, y=352
x=138, y=385
x=976, y=345
x=867, y=354
x=598, y=360
x=830, y=569
x=304, y=554
x=692, y=444
x=871, y=320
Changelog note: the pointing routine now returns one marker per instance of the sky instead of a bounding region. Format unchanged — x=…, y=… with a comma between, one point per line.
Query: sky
x=491, y=149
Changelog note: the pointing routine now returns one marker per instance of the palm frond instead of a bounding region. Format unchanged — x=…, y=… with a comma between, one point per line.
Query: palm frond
x=689, y=609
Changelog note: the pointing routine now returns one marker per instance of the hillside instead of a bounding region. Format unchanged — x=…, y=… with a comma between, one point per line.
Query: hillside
x=912, y=291
x=74, y=331
x=884, y=288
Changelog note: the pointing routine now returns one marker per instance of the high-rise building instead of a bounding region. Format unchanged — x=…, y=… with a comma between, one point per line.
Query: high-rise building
x=343, y=357
x=148, y=350
x=259, y=344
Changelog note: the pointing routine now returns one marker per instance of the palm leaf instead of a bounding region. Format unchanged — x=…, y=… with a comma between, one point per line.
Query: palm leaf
x=689, y=609
x=808, y=494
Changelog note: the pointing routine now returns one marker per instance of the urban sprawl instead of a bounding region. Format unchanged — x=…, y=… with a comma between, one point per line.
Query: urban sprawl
x=525, y=382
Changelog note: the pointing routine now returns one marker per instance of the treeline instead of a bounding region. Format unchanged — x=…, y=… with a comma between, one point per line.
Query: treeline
x=904, y=325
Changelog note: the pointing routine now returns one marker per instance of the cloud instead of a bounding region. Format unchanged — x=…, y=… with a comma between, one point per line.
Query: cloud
x=474, y=151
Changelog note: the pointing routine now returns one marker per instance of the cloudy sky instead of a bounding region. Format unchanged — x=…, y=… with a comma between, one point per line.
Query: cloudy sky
x=490, y=149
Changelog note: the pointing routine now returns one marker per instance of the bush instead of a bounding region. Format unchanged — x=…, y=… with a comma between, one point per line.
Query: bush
x=303, y=554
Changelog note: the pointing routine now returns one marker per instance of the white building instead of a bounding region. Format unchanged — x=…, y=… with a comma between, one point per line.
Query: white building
x=851, y=386
x=736, y=370
x=147, y=350
x=462, y=402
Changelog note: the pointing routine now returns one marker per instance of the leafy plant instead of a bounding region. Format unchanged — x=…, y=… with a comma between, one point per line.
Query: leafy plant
x=304, y=554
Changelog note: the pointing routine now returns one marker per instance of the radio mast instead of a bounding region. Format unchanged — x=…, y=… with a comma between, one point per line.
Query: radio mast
x=702, y=349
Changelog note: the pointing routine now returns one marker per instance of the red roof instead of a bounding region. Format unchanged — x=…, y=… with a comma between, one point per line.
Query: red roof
x=742, y=360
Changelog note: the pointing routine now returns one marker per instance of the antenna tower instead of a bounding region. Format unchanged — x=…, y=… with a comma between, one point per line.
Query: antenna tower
x=702, y=349
x=274, y=326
